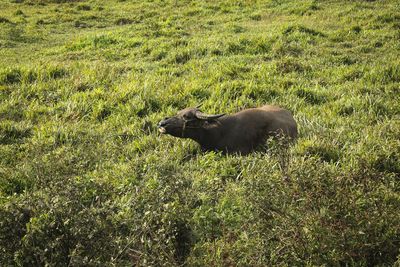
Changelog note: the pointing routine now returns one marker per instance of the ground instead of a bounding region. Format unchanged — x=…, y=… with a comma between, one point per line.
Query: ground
x=86, y=179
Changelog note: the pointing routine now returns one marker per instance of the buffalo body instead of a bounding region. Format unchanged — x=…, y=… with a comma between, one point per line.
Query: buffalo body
x=241, y=132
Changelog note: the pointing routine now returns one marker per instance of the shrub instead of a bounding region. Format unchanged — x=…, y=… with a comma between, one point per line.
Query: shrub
x=83, y=222
x=335, y=216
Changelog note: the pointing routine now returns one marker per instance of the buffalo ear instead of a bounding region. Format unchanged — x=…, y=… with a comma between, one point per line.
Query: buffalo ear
x=202, y=116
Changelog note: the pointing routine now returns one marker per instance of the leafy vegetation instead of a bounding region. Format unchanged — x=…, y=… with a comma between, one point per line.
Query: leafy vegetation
x=85, y=179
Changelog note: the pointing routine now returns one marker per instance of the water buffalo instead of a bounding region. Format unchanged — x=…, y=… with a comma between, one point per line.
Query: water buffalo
x=241, y=132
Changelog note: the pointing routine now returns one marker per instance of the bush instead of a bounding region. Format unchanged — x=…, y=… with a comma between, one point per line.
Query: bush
x=334, y=216
x=82, y=222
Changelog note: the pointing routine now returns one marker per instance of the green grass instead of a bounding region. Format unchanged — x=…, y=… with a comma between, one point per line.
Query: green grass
x=85, y=179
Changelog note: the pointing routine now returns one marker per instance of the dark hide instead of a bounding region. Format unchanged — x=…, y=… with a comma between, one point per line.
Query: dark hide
x=241, y=132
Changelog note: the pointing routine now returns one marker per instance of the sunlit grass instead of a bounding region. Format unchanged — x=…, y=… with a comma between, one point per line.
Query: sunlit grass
x=85, y=178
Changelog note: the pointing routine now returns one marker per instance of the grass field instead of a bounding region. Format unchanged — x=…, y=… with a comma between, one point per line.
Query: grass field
x=86, y=179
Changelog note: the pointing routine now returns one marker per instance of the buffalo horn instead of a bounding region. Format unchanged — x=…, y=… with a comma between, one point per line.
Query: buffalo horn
x=200, y=115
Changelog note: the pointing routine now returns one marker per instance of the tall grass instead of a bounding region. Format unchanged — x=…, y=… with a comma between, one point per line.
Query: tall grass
x=85, y=179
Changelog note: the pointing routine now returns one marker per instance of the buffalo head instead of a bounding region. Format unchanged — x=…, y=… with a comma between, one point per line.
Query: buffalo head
x=187, y=123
